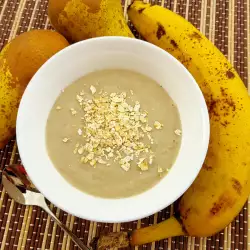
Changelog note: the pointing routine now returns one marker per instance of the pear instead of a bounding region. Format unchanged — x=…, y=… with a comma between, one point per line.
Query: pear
x=19, y=61
x=82, y=19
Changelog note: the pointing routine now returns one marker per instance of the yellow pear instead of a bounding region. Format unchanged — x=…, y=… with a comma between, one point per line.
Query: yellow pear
x=82, y=19
x=19, y=61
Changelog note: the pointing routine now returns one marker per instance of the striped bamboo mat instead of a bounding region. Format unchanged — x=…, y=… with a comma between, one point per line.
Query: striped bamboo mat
x=227, y=24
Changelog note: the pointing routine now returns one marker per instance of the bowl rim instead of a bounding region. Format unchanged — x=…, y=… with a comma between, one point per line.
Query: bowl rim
x=94, y=217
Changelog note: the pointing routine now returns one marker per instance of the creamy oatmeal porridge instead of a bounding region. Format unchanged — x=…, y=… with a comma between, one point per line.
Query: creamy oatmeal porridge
x=113, y=133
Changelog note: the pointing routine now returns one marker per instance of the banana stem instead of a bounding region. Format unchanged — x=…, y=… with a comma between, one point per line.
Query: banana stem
x=111, y=240
x=168, y=228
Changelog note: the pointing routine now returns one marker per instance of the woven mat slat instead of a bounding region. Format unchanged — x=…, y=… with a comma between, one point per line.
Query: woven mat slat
x=227, y=24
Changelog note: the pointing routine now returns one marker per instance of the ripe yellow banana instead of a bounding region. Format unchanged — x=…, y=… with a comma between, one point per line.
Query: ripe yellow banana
x=223, y=185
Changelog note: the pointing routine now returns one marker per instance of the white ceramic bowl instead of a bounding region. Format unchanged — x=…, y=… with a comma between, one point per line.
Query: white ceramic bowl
x=105, y=53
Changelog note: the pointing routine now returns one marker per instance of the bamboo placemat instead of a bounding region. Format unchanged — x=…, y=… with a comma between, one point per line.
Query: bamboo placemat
x=227, y=24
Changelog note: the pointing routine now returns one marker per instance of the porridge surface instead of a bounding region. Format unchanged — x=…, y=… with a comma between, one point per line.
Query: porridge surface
x=113, y=133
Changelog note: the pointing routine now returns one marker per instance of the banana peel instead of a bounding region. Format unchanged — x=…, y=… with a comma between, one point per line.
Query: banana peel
x=222, y=186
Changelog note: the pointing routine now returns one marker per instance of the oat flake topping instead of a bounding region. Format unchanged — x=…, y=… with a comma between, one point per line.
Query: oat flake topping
x=114, y=130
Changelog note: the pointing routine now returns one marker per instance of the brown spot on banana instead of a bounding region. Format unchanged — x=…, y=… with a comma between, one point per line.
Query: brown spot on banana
x=230, y=103
x=230, y=74
x=17, y=105
x=186, y=213
x=220, y=107
x=207, y=167
x=195, y=35
x=212, y=105
x=141, y=10
x=225, y=123
x=224, y=202
x=173, y=42
x=160, y=31
x=236, y=185
x=186, y=61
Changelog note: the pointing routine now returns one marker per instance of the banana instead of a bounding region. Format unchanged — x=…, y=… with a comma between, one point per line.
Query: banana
x=223, y=184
